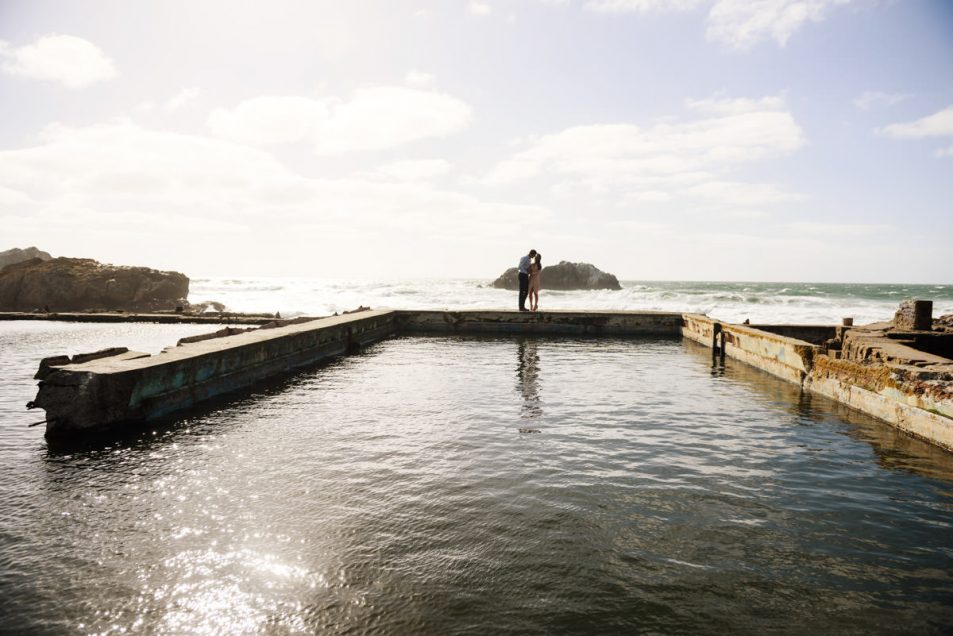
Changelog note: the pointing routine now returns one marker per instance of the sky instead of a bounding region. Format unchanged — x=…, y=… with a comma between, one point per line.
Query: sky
x=762, y=140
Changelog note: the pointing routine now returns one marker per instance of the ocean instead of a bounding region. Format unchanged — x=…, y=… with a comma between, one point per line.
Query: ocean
x=791, y=303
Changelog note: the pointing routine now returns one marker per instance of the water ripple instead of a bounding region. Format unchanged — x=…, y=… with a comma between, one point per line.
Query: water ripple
x=392, y=492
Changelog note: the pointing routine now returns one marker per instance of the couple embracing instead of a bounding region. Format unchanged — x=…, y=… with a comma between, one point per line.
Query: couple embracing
x=529, y=268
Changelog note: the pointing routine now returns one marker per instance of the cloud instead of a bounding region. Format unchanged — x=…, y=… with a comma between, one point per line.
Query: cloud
x=720, y=105
x=182, y=98
x=872, y=99
x=371, y=119
x=413, y=169
x=737, y=193
x=738, y=24
x=67, y=59
x=121, y=177
x=271, y=119
x=479, y=8
x=939, y=124
x=642, y=6
x=741, y=24
x=839, y=229
x=419, y=79
x=666, y=160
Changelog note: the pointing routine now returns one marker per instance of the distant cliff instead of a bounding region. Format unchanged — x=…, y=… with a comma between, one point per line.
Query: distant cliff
x=563, y=276
x=16, y=255
x=81, y=284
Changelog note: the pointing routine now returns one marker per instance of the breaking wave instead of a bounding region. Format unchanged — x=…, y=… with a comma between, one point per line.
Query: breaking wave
x=733, y=301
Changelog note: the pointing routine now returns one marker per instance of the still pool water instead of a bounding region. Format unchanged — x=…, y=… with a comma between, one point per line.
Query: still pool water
x=392, y=492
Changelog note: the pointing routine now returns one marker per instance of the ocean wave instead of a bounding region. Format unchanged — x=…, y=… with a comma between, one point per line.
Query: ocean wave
x=760, y=302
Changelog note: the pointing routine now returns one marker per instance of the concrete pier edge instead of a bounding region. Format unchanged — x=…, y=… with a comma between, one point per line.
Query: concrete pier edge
x=121, y=387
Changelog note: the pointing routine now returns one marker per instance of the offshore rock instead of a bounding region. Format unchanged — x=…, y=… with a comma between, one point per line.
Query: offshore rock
x=16, y=255
x=563, y=276
x=82, y=284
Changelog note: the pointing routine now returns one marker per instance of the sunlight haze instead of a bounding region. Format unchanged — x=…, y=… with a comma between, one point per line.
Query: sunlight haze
x=805, y=140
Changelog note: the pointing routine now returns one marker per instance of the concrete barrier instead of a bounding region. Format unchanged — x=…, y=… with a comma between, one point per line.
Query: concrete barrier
x=618, y=323
x=108, y=388
x=130, y=386
x=917, y=399
x=890, y=393
x=787, y=358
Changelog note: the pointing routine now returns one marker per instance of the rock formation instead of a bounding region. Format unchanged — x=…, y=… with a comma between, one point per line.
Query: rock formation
x=16, y=255
x=563, y=276
x=82, y=284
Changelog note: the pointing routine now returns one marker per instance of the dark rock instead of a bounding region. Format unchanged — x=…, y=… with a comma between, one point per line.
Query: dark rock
x=16, y=255
x=563, y=276
x=82, y=284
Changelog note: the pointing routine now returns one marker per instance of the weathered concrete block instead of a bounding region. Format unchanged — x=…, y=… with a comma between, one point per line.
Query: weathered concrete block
x=914, y=314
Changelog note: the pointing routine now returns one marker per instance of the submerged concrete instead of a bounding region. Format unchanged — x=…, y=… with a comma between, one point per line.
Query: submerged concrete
x=865, y=368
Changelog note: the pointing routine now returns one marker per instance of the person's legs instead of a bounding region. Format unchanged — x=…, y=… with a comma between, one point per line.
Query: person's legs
x=534, y=299
x=524, y=289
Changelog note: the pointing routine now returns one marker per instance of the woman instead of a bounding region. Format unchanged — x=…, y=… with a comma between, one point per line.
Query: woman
x=534, y=269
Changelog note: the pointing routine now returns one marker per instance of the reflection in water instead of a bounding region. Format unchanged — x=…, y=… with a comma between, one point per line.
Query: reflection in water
x=894, y=449
x=528, y=373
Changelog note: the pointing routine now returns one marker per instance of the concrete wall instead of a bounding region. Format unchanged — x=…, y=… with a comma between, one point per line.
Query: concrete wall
x=915, y=399
x=814, y=334
x=107, y=391
x=108, y=388
x=618, y=323
x=889, y=392
x=782, y=356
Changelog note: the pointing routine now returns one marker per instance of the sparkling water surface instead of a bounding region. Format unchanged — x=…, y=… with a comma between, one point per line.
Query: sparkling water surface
x=393, y=492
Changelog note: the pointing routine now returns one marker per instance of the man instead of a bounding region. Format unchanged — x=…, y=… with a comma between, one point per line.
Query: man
x=524, y=278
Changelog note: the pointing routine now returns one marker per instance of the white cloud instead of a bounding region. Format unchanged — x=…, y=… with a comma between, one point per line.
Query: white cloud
x=738, y=24
x=741, y=24
x=740, y=194
x=480, y=8
x=939, y=124
x=663, y=161
x=872, y=99
x=414, y=169
x=182, y=98
x=642, y=6
x=419, y=79
x=721, y=105
x=121, y=177
x=372, y=119
x=838, y=229
x=67, y=59
x=271, y=119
